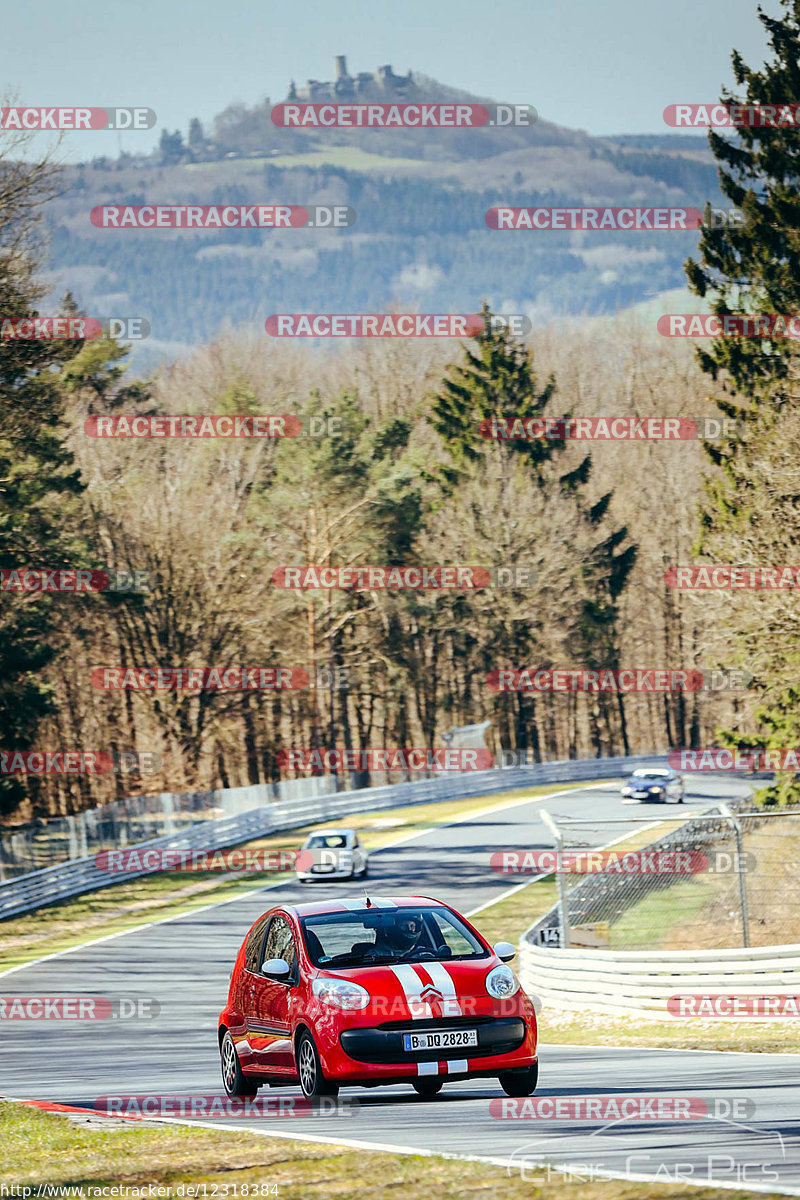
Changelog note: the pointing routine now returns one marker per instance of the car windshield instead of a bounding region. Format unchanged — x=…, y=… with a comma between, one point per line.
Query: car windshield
x=658, y=775
x=392, y=935
x=326, y=841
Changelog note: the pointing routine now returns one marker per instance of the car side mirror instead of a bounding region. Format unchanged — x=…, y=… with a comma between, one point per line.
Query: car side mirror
x=505, y=951
x=276, y=968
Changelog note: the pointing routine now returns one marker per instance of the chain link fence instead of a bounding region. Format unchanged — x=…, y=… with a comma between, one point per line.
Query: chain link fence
x=725, y=879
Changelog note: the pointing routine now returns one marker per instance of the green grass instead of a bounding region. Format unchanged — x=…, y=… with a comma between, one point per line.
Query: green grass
x=650, y=923
x=37, y=1147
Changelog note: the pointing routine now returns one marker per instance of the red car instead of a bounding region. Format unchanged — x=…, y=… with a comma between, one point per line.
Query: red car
x=370, y=992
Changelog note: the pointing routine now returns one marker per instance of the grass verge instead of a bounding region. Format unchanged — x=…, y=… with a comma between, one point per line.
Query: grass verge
x=37, y=1147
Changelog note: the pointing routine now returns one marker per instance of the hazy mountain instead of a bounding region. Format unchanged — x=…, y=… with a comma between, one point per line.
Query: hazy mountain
x=420, y=239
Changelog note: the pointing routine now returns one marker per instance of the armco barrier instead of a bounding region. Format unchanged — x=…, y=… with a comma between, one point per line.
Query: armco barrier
x=78, y=875
x=639, y=982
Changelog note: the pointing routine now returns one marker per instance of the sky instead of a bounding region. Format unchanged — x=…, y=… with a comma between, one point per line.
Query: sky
x=605, y=66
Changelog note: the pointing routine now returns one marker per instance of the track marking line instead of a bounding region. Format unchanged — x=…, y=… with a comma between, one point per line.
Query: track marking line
x=108, y=937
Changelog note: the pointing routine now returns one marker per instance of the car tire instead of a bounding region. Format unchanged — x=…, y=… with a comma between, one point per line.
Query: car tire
x=520, y=1083
x=235, y=1082
x=309, y=1069
x=427, y=1087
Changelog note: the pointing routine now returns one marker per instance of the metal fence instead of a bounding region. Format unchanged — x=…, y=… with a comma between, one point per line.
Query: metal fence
x=725, y=879
x=214, y=820
x=137, y=819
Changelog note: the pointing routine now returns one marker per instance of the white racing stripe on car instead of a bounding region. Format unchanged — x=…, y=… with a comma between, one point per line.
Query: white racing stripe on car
x=412, y=986
x=428, y=1068
x=457, y=1066
x=442, y=979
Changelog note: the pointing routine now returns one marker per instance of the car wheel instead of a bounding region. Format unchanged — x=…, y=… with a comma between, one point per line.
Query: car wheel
x=520, y=1083
x=309, y=1068
x=234, y=1081
x=427, y=1087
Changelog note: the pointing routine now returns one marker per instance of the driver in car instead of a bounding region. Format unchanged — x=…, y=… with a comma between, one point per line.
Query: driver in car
x=402, y=937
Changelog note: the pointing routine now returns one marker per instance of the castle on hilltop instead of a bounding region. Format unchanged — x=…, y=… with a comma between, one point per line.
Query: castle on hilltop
x=366, y=85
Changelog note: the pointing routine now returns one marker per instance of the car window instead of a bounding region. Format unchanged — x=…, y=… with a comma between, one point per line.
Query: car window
x=280, y=943
x=326, y=841
x=387, y=936
x=453, y=937
x=255, y=940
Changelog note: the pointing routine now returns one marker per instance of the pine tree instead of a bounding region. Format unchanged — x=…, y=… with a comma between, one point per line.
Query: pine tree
x=496, y=380
x=38, y=488
x=754, y=267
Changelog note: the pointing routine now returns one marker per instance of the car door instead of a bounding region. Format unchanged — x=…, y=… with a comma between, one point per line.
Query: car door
x=269, y=1030
x=244, y=998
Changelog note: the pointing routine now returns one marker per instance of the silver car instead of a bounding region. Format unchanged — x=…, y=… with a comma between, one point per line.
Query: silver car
x=659, y=784
x=331, y=854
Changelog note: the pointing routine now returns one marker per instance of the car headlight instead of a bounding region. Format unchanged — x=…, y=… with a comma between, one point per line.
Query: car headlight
x=502, y=982
x=655, y=789
x=341, y=993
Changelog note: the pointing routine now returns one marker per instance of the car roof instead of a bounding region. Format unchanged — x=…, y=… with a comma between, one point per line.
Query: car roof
x=653, y=771
x=315, y=908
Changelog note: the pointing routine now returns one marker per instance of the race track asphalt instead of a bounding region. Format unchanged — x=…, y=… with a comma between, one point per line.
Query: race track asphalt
x=752, y=1134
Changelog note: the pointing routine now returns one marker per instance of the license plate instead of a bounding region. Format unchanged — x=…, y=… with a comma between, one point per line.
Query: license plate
x=321, y=870
x=446, y=1039
x=640, y=793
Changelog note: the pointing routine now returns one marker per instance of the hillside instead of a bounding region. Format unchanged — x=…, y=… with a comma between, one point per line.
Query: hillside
x=420, y=238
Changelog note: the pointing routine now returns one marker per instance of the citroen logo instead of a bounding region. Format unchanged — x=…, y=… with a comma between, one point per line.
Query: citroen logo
x=430, y=994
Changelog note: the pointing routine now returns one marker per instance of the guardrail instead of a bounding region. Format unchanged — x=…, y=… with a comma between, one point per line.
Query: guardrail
x=77, y=875
x=640, y=982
